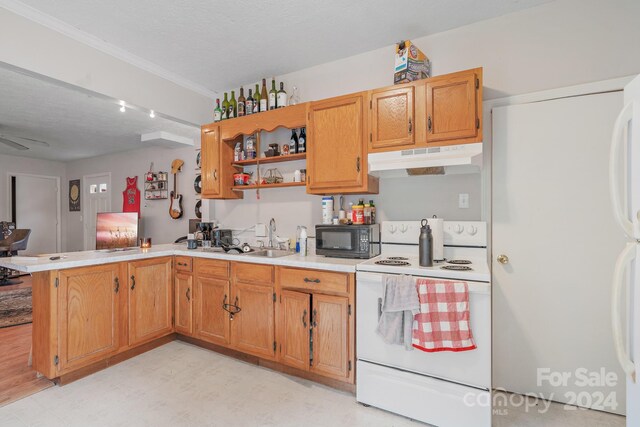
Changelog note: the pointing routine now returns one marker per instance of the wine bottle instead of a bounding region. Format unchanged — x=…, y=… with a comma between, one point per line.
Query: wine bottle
x=272, y=95
x=256, y=99
x=232, y=106
x=217, y=112
x=282, y=97
x=302, y=141
x=241, y=103
x=248, y=105
x=293, y=144
x=264, y=96
x=225, y=107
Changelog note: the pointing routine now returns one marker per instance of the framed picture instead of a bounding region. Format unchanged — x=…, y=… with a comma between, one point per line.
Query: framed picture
x=74, y=195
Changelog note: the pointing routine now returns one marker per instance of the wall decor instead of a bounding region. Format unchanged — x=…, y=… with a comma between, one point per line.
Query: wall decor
x=199, y=209
x=131, y=196
x=74, y=195
x=175, y=207
x=197, y=184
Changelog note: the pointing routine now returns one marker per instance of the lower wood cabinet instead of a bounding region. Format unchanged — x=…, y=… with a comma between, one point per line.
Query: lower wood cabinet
x=183, y=315
x=330, y=330
x=294, y=327
x=150, y=299
x=89, y=311
x=211, y=319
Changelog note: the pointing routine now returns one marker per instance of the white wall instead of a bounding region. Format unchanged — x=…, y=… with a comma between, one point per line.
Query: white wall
x=156, y=221
x=25, y=165
x=36, y=48
x=558, y=44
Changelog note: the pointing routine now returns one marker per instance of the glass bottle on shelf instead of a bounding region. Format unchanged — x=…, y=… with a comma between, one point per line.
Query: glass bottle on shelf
x=294, y=99
x=241, y=103
x=272, y=95
x=225, y=107
x=264, y=96
x=248, y=105
x=293, y=144
x=282, y=97
x=302, y=141
x=217, y=112
x=231, y=113
x=256, y=100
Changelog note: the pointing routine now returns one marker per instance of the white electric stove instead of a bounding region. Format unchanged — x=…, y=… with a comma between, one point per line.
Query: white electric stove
x=442, y=388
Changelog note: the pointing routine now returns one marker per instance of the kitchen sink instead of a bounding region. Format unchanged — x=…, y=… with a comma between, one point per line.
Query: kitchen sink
x=270, y=253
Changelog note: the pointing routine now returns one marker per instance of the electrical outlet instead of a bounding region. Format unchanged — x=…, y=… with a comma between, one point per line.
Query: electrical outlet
x=261, y=230
x=463, y=200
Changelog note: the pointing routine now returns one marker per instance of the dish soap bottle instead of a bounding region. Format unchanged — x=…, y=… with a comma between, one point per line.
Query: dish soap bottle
x=303, y=241
x=425, y=245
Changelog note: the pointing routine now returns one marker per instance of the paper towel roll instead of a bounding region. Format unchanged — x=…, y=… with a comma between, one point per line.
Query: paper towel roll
x=437, y=231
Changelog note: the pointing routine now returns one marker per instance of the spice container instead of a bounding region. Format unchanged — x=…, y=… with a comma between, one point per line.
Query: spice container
x=358, y=214
x=367, y=213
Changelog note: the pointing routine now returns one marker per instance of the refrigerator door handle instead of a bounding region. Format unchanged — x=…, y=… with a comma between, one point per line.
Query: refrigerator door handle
x=625, y=257
x=616, y=183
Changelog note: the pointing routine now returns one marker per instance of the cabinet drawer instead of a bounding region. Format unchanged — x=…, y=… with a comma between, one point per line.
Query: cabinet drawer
x=314, y=280
x=184, y=263
x=253, y=273
x=212, y=268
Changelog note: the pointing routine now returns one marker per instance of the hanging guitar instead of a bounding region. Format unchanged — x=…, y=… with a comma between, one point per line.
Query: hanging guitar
x=175, y=208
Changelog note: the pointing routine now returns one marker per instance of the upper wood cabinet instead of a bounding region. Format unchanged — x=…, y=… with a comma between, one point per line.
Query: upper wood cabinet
x=393, y=120
x=217, y=172
x=183, y=284
x=89, y=310
x=150, y=299
x=454, y=108
x=337, y=147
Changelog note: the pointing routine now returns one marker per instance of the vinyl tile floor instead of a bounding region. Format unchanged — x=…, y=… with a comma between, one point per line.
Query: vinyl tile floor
x=182, y=385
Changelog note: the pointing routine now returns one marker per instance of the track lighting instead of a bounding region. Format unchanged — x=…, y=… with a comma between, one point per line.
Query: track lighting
x=122, y=107
x=152, y=114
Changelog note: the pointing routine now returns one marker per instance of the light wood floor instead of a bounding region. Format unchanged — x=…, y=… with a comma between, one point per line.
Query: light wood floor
x=17, y=380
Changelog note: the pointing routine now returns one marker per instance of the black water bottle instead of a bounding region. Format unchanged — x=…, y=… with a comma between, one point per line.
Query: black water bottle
x=426, y=245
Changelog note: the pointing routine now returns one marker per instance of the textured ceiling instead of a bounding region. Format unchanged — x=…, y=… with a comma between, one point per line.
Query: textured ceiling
x=220, y=44
x=74, y=124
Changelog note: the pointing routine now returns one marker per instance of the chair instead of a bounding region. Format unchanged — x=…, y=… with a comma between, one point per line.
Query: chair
x=9, y=246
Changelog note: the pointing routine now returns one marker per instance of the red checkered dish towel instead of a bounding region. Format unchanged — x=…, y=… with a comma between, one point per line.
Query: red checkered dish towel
x=443, y=321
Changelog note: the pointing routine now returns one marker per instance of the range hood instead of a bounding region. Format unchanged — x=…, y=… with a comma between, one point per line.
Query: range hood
x=447, y=160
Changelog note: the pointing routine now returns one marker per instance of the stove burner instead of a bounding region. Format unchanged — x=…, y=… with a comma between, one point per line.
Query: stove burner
x=456, y=267
x=459, y=261
x=393, y=262
x=399, y=258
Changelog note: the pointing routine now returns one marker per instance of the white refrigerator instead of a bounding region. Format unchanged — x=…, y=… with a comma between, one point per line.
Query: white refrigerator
x=624, y=180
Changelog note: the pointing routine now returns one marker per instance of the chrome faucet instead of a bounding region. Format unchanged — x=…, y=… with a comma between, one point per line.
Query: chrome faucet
x=272, y=229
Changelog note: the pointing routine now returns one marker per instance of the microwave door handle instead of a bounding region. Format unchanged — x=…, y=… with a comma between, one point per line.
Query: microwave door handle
x=617, y=182
x=627, y=255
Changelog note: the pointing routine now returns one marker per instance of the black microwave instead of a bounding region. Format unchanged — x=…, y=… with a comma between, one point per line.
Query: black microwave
x=348, y=241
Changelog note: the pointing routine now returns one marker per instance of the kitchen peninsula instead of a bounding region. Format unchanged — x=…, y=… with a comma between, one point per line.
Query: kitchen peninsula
x=92, y=309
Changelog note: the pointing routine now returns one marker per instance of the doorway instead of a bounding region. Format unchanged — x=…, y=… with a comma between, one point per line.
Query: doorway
x=97, y=198
x=35, y=205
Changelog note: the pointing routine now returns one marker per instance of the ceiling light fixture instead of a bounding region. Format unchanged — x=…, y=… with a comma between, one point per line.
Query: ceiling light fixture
x=122, y=107
x=152, y=114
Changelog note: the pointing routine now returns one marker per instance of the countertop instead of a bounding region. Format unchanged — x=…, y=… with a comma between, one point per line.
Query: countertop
x=98, y=257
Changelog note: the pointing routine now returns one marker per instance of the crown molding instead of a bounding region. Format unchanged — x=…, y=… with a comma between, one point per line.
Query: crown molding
x=87, y=39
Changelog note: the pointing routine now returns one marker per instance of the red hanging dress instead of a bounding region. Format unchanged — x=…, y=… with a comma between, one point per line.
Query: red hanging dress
x=131, y=196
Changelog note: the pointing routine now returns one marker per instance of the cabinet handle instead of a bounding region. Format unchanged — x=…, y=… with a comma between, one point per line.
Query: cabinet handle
x=314, y=322
x=188, y=295
x=358, y=164
x=304, y=318
x=117, y=281
x=429, y=125
x=410, y=126
x=133, y=282
x=215, y=174
x=307, y=280
x=183, y=264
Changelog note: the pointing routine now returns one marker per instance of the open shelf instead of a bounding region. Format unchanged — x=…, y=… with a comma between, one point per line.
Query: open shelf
x=280, y=185
x=274, y=159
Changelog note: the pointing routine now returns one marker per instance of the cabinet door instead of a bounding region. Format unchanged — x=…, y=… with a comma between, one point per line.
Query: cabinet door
x=184, y=303
x=253, y=329
x=453, y=107
x=293, y=329
x=89, y=314
x=392, y=118
x=330, y=336
x=210, y=158
x=150, y=299
x=336, y=157
x=212, y=321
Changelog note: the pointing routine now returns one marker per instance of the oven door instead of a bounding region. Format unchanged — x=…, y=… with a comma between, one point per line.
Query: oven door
x=467, y=367
x=338, y=242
